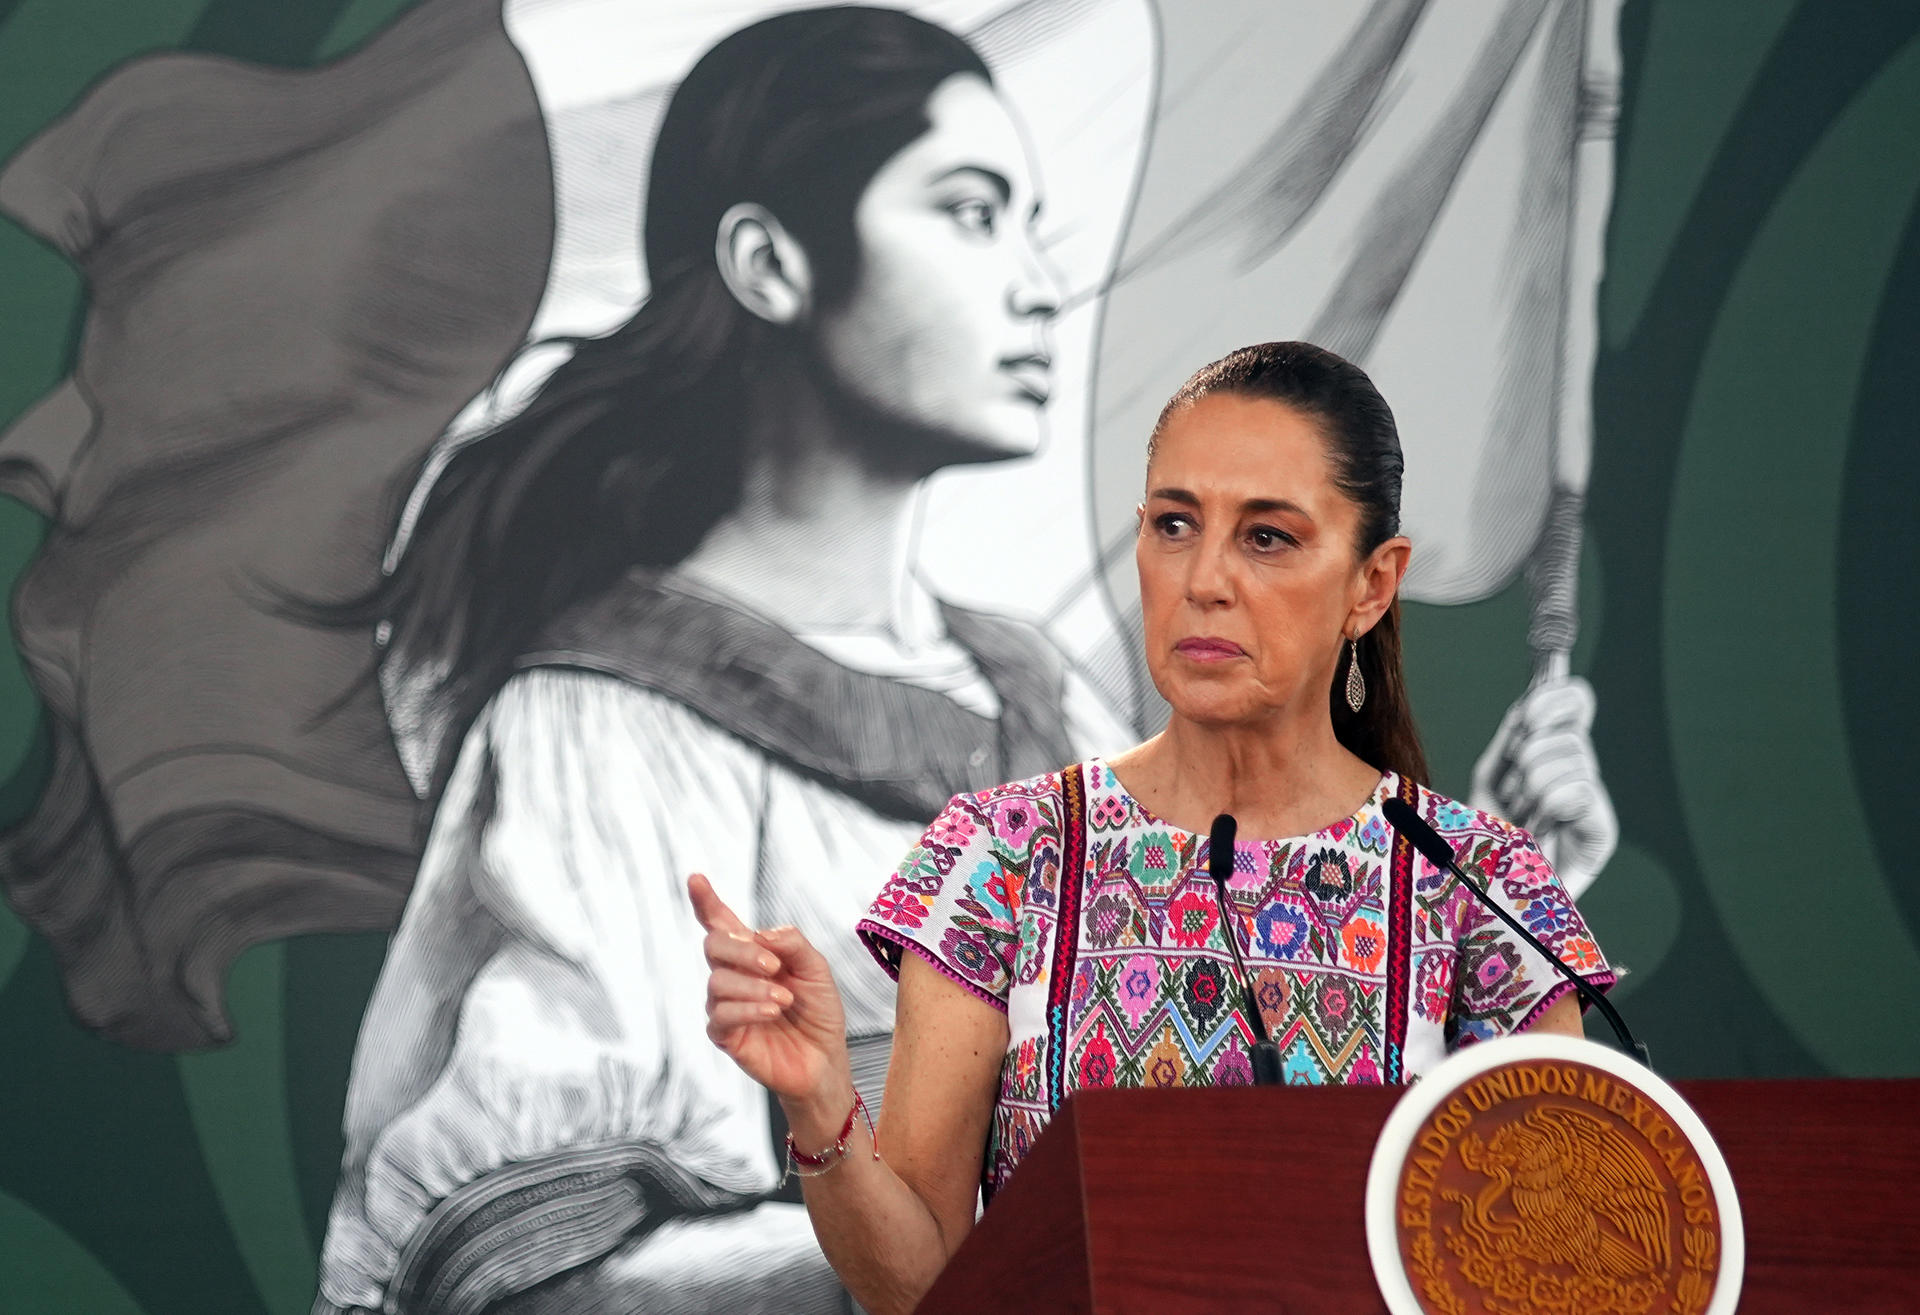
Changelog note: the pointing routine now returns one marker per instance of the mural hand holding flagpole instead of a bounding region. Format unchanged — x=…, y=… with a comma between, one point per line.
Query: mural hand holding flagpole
x=1541, y=772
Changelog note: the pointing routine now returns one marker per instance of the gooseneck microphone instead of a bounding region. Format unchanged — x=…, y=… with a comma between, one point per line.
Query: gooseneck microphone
x=1266, y=1055
x=1439, y=853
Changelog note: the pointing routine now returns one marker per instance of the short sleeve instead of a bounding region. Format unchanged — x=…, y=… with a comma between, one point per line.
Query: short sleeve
x=1502, y=983
x=955, y=900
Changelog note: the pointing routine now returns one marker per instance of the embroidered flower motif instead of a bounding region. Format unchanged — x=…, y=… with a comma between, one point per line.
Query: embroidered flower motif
x=1297, y=1068
x=1014, y=821
x=988, y=884
x=1339, y=830
x=970, y=956
x=1451, y=816
x=1139, y=982
x=1528, y=868
x=1490, y=965
x=1364, y=944
x=1272, y=990
x=1233, y=1069
x=952, y=828
x=1031, y=960
x=1107, y=918
x=1469, y=1030
x=919, y=873
x=1043, y=875
x=1097, y=1064
x=1581, y=954
x=1109, y=813
x=1433, y=986
x=1083, y=983
x=1281, y=930
x=901, y=907
x=1204, y=992
x=1375, y=836
x=1153, y=859
x=1335, y=1006
x=1165, y=1062
x=1329, y=878
x=1549, y=916
x=1023, y=1070
x=1191, y=919
x=1365, y=1071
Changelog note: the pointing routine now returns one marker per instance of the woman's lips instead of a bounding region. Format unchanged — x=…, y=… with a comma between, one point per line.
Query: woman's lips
x=1209, y=649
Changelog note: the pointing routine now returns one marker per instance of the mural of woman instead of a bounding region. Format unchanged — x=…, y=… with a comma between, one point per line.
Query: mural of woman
x=664, y=619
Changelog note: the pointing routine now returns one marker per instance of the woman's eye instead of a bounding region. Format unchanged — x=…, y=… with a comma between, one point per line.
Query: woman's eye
x=1172, y=525
x=974, y=216
x=1265, y=538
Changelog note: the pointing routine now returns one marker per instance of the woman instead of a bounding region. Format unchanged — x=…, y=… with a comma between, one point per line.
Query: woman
x=664, y=617
x=1059, y=932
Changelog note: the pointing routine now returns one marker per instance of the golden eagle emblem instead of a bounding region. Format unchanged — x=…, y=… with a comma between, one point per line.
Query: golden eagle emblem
x=1564, y=1190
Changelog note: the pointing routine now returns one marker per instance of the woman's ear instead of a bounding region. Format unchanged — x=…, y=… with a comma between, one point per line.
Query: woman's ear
x=1379, y=583
x=762, y=265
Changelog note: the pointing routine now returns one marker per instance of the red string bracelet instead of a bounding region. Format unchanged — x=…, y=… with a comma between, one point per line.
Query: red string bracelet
x=802, y=1165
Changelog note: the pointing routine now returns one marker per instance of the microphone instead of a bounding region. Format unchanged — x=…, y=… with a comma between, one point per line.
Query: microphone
x=1438, y=852
x=1266, y=1055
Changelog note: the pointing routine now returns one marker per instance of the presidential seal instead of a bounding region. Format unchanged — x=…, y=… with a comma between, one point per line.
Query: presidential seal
x=1545, y=1175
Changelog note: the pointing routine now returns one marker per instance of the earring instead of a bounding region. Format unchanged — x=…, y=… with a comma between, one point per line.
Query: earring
x=1356, y=684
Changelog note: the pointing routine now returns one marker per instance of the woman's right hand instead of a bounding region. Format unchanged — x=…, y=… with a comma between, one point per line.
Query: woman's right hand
x=772, y=1004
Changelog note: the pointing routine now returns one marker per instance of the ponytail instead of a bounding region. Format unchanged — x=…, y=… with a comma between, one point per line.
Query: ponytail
x=1363, y=445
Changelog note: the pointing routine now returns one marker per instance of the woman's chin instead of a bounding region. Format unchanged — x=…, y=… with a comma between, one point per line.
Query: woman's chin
x=1214, y=708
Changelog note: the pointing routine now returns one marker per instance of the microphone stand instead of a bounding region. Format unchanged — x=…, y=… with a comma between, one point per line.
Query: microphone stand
x=1439, y=853
x=1265, y=1054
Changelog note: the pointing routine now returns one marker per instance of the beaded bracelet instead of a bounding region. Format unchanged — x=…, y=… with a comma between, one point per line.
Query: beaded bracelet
x=802, y=1165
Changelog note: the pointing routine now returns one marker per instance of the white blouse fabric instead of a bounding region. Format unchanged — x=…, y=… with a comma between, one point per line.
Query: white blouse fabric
x=546, y=987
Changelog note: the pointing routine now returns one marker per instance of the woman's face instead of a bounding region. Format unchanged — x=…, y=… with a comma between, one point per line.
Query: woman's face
x=945, y=331
x=1249, y=583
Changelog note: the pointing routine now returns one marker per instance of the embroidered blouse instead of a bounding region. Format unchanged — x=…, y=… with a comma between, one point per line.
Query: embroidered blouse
x=1368, y=963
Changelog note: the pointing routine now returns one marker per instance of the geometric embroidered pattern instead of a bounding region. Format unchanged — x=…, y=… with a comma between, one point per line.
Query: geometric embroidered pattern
x=1149, y=996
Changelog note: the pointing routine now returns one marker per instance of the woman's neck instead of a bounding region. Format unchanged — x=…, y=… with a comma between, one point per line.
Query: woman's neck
x=823, y=537
x=1286, y=775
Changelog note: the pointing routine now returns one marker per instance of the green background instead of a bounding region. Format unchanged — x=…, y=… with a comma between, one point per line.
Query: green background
x=1748, y=605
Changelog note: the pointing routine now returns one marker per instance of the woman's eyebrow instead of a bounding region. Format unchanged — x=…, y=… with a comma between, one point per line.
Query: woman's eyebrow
x=994, y=178
x=1274, y=504
x=1250, y=505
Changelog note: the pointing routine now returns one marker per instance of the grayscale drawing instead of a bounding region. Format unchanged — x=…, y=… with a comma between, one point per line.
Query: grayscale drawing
x=568, y=444
x=660, y=614
x=1423, y=189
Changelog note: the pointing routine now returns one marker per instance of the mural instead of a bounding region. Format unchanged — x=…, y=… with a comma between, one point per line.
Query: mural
x=509, y=456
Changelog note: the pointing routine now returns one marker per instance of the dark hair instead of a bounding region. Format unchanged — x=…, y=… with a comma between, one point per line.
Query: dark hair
x=635, y=447
x=1364, y=444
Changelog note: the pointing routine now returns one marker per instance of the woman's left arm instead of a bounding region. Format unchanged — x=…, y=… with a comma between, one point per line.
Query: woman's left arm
x=1562, y=1017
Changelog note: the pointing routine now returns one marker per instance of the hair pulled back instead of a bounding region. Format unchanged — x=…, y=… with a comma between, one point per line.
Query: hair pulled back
x=1364, y=446
x=635, y=446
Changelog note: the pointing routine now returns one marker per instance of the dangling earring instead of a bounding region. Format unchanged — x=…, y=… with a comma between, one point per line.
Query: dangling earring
x=1356, y=684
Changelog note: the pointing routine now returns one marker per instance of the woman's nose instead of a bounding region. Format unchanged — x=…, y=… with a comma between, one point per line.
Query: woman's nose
x=1210, y=575
x=1036, y=289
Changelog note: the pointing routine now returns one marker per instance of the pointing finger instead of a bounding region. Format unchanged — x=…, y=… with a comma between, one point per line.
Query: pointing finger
x=712, y=911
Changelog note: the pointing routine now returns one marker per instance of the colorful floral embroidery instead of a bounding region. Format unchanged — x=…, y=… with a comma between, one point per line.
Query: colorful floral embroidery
x=1363, y=943
x=1153, y=998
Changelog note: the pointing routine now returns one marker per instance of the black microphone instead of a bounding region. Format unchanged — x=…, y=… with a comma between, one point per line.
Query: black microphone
x=1266, y=1055
x=1439, y=853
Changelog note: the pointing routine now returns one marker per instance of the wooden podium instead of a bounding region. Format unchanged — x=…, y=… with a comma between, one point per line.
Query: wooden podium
x=1250, y=1199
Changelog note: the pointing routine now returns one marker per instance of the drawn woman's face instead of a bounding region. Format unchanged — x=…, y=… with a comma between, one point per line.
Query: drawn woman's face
x=945, y=331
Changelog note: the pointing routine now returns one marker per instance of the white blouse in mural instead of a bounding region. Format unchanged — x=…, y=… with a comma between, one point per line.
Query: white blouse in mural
x=546, y=987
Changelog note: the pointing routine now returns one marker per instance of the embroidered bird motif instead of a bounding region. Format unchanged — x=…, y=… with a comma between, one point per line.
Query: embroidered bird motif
x=1581, y=1194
